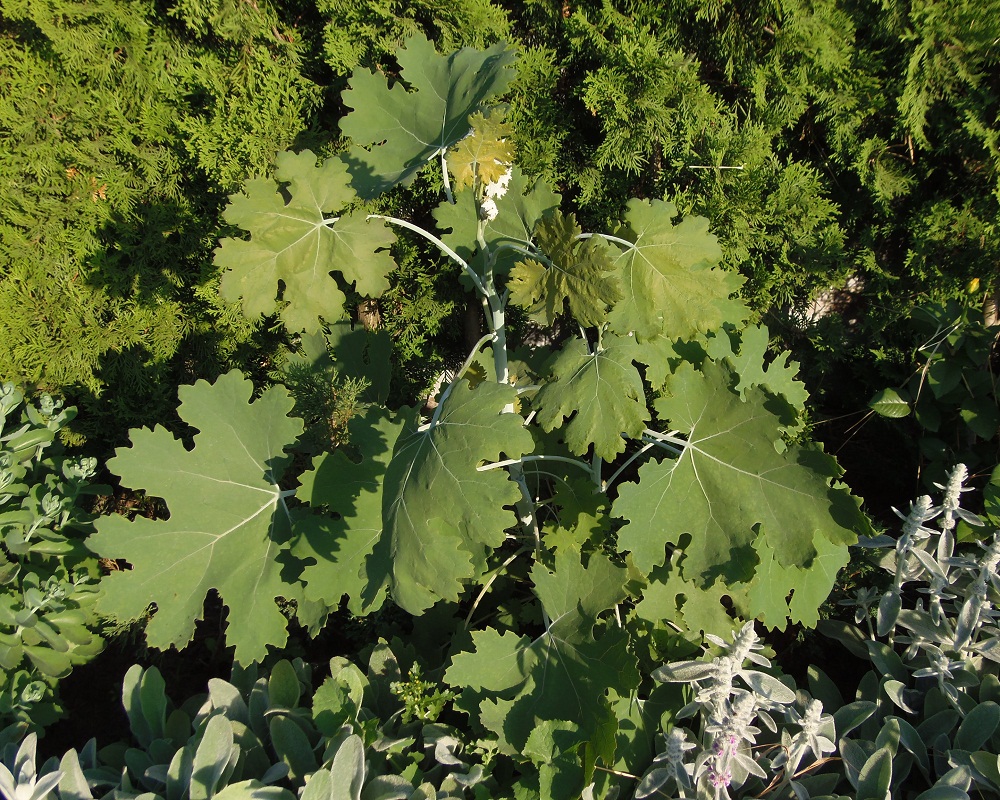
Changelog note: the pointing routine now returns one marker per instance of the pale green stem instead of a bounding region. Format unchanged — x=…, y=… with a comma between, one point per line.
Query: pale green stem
x=524, y=459
x=663, y=440
x=486, y=586
x=668, y=438
x=430, y=237
x=529, y=519
x=525, y=252
x=445, y=179
x=458, y=375
x=628, y=462
x=610, y=238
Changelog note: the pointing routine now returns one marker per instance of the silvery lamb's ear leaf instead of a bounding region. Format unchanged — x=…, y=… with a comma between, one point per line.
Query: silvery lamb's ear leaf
x=318, y=786
x=253, y=790
x=875, y=776
x=768, y=686
x=889, y=736
x=226, y=698
x=824, y=689
x=387, y=787
x=888, y=612
x=683, y=671
x=292, y=746
x=943, y=792
x=941, y=723
x=886, y=661
x=848, y=718
x=848, y=635
x=73, y=784
x=912, y=741
x=968, y=618
x=275, y=773
x=978, y=726
x=283, y=688
x=348, y=770
x=920, y=623
x=896, y=691
x=988, y=765
x=854, y=759
x=652, y=782
x=212, y=758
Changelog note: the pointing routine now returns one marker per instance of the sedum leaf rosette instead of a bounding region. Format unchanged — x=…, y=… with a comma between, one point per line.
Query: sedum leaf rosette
x=228, y=519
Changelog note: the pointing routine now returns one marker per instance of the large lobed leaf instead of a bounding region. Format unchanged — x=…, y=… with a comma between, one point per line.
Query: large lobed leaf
x=349, y=552
x=406, y=129
x=228, y=519
x=729, y=479
x=767, y=596
x=602, y=392
x=565, y=673
x=669, y=279
x=575, y=273
x=440, y=514
x=518, y=212
x=485, y=154
x=294, y=242
x=749, y=361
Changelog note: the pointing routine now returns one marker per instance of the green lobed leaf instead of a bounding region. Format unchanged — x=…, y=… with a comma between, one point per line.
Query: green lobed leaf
x=565, y=673
x=767, y=596
x=660, y=357
x=602, y=391
x=577, y=273
x=670, y=598
x=440, y=514
x=295, y=243
x=485, y=153
x=749, y=362
x=351, y=557
x=729, y=479
x=228, y=519
x=669, y=279
x=518, y=212
x=406, y=129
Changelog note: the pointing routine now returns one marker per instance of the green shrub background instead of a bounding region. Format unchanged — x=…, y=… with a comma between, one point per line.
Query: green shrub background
x=830, y=144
